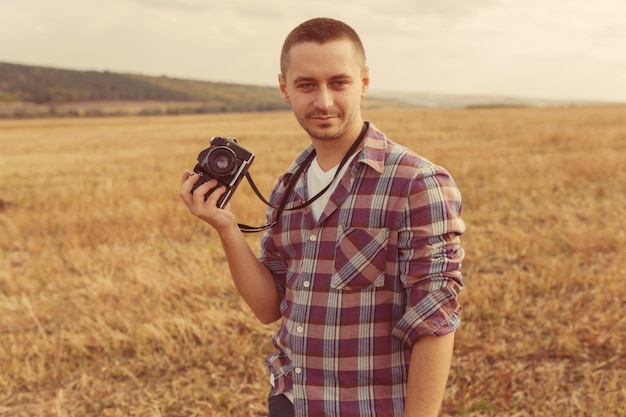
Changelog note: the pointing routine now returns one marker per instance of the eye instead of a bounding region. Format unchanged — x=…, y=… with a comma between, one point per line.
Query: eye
x=340, y=83
x=306, y=86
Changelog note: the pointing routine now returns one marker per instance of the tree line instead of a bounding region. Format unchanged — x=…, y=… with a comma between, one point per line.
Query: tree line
x=49, y=86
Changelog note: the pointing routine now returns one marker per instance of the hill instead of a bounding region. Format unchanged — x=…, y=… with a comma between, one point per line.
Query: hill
x=27, y=90
x=479, y=101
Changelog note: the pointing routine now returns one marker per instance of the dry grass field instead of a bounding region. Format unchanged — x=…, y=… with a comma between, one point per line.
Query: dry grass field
x=114, y=301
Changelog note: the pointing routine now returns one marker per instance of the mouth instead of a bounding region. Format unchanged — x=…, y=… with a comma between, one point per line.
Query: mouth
x=323, y=117
x=323, y=121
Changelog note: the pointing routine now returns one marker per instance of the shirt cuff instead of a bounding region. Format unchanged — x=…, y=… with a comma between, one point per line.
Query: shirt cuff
x=437, y=314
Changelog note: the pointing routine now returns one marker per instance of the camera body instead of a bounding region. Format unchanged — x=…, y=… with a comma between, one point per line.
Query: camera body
x=224, y=161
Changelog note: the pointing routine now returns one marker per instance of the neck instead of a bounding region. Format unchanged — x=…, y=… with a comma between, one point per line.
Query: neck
x=331, y=152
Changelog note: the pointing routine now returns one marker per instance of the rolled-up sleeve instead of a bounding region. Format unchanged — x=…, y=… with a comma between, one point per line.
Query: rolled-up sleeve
x=273, y=262
x=430, y=256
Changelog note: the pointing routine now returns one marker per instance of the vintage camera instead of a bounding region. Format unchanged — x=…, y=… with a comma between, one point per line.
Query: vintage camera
x=225, y=161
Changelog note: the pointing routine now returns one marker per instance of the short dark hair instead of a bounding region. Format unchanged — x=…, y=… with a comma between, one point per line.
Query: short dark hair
x=320, y=30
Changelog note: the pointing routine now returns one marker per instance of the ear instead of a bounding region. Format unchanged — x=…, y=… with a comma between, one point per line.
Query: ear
x=282, y=85
x=365, y=81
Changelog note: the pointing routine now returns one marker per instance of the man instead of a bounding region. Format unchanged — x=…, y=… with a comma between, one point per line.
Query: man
x=365, y=278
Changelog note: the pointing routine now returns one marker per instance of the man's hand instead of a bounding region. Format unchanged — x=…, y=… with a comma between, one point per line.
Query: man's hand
x=220, y=219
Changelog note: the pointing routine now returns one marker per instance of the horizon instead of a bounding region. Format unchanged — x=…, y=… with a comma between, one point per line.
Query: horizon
x=374, y=93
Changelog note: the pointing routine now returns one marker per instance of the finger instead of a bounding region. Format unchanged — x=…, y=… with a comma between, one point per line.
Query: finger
x=190, y=177
x=187, y=182
x=215, y=195
x=185, y=187
x=199, y=193
x=185, y=177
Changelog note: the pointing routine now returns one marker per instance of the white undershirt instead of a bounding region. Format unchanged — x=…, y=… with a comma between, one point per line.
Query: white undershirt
x=317, y=179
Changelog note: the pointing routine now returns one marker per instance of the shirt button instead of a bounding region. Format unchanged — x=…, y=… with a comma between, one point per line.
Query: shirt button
x=312, y=238
x=300, y=329
x=298, y=370
x=306, y=284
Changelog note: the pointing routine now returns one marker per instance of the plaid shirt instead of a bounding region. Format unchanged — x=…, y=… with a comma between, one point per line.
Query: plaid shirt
x=378, y=270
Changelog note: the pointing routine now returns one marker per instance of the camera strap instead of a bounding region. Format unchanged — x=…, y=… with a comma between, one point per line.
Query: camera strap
x=292, y=182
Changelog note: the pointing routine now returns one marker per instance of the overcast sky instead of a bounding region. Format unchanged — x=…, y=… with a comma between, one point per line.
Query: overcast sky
x=554, y=49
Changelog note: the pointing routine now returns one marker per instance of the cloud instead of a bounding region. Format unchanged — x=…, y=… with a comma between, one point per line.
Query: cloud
x=191, y=6
x=560, y=48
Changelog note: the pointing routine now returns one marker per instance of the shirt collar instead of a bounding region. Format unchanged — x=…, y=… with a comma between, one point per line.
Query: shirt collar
x=373, y=152
x=373, y=149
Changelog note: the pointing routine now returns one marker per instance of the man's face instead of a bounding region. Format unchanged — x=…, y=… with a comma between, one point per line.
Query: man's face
x=324, y=83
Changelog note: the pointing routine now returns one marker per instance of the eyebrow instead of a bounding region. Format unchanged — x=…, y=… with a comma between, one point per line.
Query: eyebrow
x=334, y=77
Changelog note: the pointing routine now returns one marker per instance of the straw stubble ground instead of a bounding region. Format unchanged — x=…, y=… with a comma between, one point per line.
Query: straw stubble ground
x=114, y=301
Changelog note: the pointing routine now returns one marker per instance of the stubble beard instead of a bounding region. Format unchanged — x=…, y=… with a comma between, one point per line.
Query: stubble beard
x=323, y=133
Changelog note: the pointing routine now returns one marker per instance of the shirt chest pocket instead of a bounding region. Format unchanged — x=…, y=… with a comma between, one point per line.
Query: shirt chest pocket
x=360, y=258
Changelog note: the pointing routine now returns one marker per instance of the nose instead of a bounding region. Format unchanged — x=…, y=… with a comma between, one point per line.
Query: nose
x=324, y=99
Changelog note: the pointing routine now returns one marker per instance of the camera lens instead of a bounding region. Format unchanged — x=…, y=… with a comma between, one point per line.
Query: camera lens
x=221, y=161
